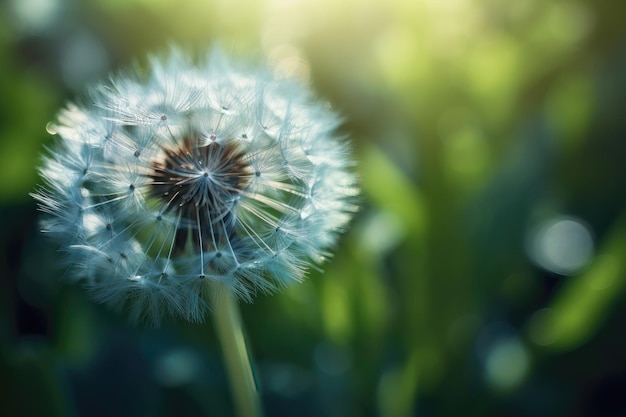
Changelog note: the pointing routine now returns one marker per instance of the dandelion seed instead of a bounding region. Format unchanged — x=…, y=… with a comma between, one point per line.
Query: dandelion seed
x=196, y=173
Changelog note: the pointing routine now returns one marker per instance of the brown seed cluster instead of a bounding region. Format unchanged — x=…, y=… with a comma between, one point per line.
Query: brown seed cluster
x=201, y=183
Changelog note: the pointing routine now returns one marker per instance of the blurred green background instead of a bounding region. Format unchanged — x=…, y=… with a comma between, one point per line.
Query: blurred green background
x=483, y=276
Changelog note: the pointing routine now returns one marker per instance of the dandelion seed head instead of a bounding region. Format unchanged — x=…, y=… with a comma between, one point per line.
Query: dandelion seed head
x=196, y=172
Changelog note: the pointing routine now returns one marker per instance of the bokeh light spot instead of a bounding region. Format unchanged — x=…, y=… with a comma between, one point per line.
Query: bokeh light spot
x=381, y=232
x=284, y=379
x=287, y=60
x=35, y=15
x=507, y=364
x=562, y=245
x=83, y=60
x=176, y=368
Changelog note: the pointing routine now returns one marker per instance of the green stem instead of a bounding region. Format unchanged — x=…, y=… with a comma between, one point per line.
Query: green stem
x=229, y=329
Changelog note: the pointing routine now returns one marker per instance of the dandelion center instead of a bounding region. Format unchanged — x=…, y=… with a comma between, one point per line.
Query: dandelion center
x=200, y=183
x=208, y=177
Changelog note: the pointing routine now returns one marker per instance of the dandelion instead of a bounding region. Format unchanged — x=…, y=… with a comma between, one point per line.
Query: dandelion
x=193, y=174
x=192, y=184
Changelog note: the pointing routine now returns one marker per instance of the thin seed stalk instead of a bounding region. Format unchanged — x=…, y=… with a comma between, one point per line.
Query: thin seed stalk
x=229, y=327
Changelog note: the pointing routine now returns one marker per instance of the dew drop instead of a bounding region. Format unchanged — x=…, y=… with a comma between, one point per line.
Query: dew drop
x=51, y=128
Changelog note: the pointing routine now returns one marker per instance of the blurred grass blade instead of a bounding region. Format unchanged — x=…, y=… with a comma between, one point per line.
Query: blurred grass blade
x=389, y=188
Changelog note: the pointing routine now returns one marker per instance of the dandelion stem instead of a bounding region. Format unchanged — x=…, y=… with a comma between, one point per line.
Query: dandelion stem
x=230, y=332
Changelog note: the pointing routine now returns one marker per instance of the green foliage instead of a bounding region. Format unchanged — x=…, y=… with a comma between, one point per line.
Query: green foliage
x=475, y=122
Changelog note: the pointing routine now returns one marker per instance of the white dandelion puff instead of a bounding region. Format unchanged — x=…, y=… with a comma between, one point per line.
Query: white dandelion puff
x=191, y=174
